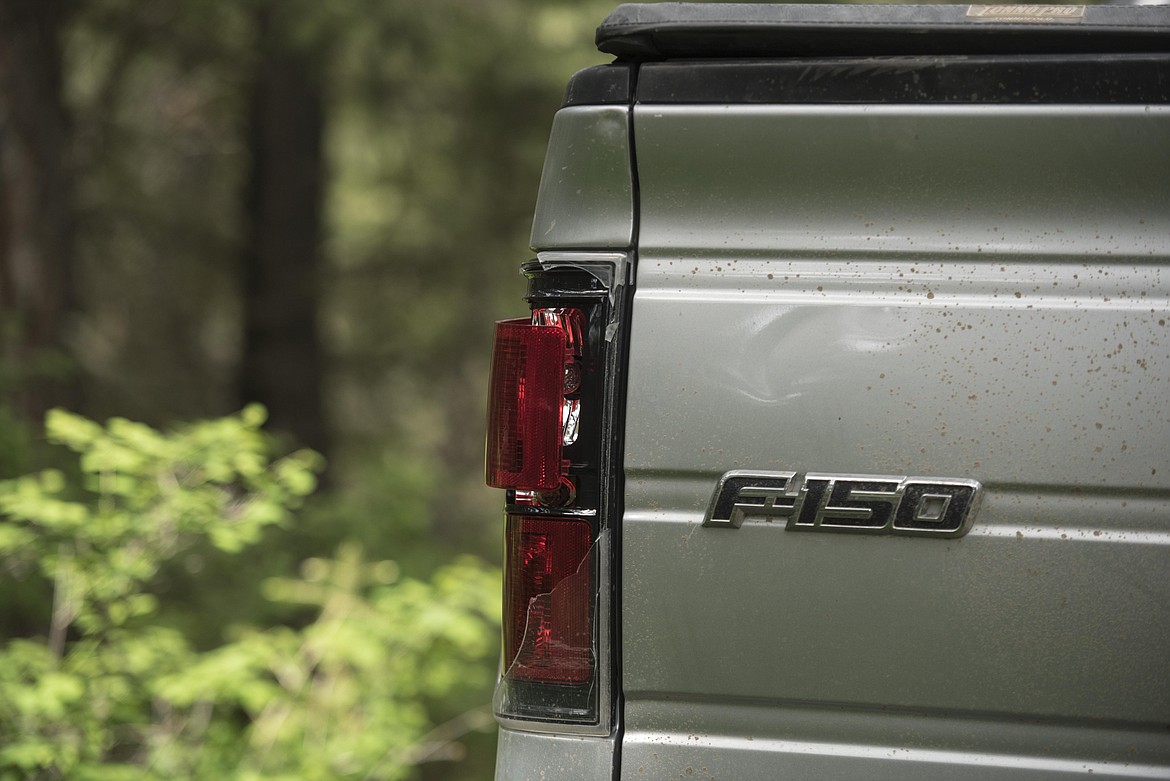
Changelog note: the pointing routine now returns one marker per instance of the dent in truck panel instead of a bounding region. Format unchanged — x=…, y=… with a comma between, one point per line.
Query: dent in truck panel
x=997, y=370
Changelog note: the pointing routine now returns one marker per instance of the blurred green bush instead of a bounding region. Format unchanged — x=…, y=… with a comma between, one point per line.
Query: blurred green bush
x=107, y=690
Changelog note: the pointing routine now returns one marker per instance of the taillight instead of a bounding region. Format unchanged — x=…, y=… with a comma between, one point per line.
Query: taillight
x=524, y=408
x=552, y=443
x=548, y=600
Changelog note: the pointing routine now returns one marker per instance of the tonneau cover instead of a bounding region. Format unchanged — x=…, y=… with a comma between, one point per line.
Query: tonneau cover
x=641, y=31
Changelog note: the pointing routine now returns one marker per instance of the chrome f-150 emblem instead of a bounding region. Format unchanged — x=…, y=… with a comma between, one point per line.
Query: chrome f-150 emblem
x=867, y=504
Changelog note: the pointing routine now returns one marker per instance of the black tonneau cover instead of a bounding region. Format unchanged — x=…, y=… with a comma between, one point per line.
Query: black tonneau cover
x=643, y=31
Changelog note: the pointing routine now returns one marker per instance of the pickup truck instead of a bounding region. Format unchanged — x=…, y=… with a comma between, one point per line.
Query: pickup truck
x=836, y=438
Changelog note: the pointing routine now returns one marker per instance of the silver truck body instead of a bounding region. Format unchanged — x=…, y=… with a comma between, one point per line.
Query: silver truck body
x=875, y=291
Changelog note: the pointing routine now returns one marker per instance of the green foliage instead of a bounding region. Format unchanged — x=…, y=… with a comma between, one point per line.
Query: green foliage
x=108, y=693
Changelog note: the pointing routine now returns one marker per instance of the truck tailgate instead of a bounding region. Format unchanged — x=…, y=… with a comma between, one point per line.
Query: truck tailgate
x=943, y=291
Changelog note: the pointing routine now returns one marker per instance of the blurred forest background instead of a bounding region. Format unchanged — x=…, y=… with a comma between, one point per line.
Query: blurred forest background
x=319, y=207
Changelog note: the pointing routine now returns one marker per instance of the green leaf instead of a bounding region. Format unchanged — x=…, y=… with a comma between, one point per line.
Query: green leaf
x=73, y=431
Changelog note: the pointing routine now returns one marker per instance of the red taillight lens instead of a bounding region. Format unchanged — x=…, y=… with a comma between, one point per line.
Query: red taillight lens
x=548, y=600
x=524, y=408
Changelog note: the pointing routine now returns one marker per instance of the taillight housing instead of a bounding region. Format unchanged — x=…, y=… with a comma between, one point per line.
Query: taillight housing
x=553, y=442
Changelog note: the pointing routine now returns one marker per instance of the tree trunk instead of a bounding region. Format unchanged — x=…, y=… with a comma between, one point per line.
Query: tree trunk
x=283, y=361
x=36, y=216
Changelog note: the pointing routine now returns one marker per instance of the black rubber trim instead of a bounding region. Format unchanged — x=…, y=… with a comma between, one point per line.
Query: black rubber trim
x=1109, y=78
x=683, y=30
x=600, y=85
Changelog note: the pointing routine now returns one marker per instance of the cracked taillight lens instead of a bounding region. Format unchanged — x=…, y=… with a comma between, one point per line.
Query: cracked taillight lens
x=548, y=600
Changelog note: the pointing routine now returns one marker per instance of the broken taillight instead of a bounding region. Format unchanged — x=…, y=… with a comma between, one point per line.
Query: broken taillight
x=548, y=600
x=552, y=442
